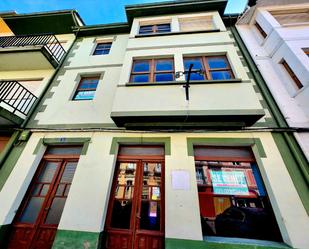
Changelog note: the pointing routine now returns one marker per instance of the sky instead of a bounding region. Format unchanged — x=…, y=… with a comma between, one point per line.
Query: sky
x=93, y=11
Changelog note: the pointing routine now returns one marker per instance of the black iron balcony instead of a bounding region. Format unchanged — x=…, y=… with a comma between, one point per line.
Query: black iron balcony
x=16, y=98
x=48, y=44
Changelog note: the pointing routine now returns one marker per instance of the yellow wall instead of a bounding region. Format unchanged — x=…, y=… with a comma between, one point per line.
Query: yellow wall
x=4, y=29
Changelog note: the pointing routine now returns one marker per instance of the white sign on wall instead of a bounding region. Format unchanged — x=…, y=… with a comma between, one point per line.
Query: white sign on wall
x=180, y=180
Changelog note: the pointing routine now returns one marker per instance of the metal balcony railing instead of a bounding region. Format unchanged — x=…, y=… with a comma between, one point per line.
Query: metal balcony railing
x=49, y=42
x=16, y=97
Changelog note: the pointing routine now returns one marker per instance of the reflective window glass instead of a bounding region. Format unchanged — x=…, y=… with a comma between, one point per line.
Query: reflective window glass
x=55, y=211
x=141, y=66
x=217, y=62
x=32, y=210
x=221, y=75
x=164, y=77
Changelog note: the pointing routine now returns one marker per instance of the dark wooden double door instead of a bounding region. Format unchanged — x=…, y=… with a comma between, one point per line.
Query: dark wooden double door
x=135, y=218
x=37, y=219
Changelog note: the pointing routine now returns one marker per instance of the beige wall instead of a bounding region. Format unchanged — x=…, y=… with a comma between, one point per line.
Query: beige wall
x=86, y=206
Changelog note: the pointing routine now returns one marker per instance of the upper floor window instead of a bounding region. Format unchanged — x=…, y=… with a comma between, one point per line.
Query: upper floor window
x=152, y=70
x=155, y=28
x=212, y=67
x=196, y=23
x=86, y=88
x=292, y=74
x=291, y=17
x=260, y=29
x=102, y=48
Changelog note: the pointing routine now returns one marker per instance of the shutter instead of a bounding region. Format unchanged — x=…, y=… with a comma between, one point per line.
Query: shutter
x=195, y=24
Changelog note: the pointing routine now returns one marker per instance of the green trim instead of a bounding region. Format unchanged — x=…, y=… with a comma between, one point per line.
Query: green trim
x=273, y=107
x=196, y=82
x=11, y=117
x=141, y=140
x=85, y=141
x=293, y=166
x=4, y=233
x=67, y=239
x=8, y=147
x=10, y=162
x=196, y=244
x=252, y=142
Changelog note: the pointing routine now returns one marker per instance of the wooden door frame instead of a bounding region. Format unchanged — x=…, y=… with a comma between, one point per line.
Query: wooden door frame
x=136, y=201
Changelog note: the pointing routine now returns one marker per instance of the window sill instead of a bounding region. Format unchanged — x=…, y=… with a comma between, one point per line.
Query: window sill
x=177, y=33
x=196, y=82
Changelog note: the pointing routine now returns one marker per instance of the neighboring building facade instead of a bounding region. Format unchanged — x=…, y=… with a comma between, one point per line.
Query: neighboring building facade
x=118, y=158
x=276, y=33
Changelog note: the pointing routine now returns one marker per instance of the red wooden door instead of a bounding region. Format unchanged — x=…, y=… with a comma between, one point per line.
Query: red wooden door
x=37, y=219
x=135, y=217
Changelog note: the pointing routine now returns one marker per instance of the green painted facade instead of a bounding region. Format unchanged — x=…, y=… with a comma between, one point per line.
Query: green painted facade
x=66, y=239
x=194, y=244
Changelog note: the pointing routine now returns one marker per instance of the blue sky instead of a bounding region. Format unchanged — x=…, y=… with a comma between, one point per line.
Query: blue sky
x=92, y=11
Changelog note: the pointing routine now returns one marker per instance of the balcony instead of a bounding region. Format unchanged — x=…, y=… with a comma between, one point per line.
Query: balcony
x=30, y=52
x=15, y=103
x=216, y=104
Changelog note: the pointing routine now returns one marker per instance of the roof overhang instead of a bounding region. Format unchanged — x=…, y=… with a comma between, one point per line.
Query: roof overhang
x=106, y=29
x=55, y=22
x=173, y=7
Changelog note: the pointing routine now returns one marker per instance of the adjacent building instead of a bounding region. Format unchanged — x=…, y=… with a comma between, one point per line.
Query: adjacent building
x=156, y=133
x=276, y=34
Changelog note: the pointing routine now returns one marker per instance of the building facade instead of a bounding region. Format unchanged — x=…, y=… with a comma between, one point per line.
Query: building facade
x=122, y=155
x=276, y=35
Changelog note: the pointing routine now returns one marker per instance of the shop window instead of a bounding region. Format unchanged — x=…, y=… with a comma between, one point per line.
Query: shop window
x=86, y=88
x=297, y=82
x=152, y=70
x=232, y=197
x=300, y=16
x=209, y=68
x=260, y=29
x=196, y=23
x=155, y=29
x=102, y=48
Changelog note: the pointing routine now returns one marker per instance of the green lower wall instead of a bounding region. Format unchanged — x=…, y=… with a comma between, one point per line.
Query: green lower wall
x=66, y=239
x=10, y=162
x=194, y=244
x=4, y=234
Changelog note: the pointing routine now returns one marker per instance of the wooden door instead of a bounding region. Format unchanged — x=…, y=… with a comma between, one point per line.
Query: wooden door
x=135, y=218
x=37, y=219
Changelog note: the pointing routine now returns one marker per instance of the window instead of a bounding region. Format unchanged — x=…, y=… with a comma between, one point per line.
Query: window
x=306, y=51
x=213, y=68
x=86, y=88
x=152, y=70
x=196, y=23
x=259, y=28
x=102, y=48
x=291, y=17
x=292, y=74
x=155, y=28
x=232, y=197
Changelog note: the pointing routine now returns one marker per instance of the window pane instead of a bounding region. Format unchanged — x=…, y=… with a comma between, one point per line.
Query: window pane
x=48, y=172
x=44, y=190
x=60, y=189
x=71, y=150
x=196, y=76
x=84, y=95
x=55, y=211
x=150, y=215
x=140, y=78
x=197, y=63
x=104, y=45
x=164, y=65
x=140, y=66
x=221, y=75
x=68, y=173
x=32, y=210
x=164, y=77
x=217, y=62
x=88, y=83
x=121, y=214
x=145, y=29
x=101, y=51
x=161, y=28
